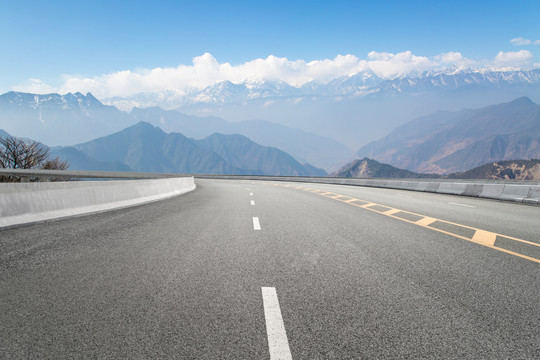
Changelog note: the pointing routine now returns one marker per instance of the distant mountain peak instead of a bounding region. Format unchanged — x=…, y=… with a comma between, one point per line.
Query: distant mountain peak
x=523, y=100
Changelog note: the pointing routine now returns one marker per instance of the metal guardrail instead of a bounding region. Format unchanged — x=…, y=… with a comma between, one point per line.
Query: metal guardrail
x=45, y=175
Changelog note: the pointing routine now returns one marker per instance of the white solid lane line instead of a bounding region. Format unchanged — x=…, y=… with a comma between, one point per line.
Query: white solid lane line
x=250, y=194
x=256, y=224
x=275, y=329
x=453, y=203
x=403, y=195
x=252, y=202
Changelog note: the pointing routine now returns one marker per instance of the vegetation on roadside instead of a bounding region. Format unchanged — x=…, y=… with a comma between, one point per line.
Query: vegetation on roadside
x=19, y=153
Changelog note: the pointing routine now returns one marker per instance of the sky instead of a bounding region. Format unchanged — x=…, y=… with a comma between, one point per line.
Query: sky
x=118, y=48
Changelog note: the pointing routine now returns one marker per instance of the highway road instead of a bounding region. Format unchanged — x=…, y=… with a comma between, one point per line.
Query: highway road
x=260, y=270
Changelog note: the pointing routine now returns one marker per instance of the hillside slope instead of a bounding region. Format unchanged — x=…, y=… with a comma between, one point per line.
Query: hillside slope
x=447, y=142
x=143, y=147
x=368, y=168
x=503, y=170
x=241, y=152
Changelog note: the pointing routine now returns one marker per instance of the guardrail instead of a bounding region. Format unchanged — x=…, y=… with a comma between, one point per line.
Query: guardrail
x=509, y=190
x=45, y=175
x=26, y=203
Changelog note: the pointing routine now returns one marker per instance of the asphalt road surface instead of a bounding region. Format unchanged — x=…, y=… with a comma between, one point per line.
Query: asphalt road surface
x=253, y=270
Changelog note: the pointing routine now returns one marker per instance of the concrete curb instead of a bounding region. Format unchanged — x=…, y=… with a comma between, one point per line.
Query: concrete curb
x=24, y=203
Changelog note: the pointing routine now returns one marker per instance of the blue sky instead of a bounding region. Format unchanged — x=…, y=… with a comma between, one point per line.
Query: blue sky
x=54, y=40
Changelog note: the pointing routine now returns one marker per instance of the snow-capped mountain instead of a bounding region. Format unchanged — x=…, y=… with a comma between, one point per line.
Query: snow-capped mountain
x=461, y=80
x=358, y=85
x=229, y=92
x=51, y=117
x=352, y=85
x=69, y=101
x=352, y=109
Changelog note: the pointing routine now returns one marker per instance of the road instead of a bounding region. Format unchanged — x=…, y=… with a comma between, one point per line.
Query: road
x=242, y=270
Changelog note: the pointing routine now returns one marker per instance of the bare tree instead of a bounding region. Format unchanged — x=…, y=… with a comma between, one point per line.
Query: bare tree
x=18, y=153
x=55, y=164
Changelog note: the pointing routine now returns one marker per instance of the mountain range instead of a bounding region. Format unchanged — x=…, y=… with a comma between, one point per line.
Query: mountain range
x=359, y=84
x=54, y=118
x=443, y=142
x=75, y=118
x=446, y=142
x=143, y=147
x=354, y=109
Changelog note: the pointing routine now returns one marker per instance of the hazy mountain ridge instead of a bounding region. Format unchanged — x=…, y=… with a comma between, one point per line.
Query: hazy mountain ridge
x=356, y=110
x=241, y=152
x=447, y=142
x=53, y=118
x=304, y=146
x=76, y=118
x=146, y=148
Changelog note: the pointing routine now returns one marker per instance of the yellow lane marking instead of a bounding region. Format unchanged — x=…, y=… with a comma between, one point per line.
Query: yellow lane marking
x=480, y=237
x=365, y=206
x=391, y=211
x=483, y=237
x=426, y=221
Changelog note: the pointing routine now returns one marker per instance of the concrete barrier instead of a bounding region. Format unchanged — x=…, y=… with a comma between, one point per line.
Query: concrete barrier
x=533, y=197
x=451, y=188
x=472, y=190
x=515, y=192
x=491, y=191
x=23, y=203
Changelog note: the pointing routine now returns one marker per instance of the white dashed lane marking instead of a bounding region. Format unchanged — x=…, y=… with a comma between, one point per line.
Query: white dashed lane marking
x=275, y=328
x=252, y=202
x=465, y=205
x=256, y=224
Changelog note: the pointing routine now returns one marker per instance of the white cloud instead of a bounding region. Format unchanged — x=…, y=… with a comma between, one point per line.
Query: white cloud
x=393, y=65
x=513, y=58
x=453, y=58
x=206, y=70
x=519, y=41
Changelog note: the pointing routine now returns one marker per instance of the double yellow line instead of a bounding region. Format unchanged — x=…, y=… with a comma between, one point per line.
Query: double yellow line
x=482, y=237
